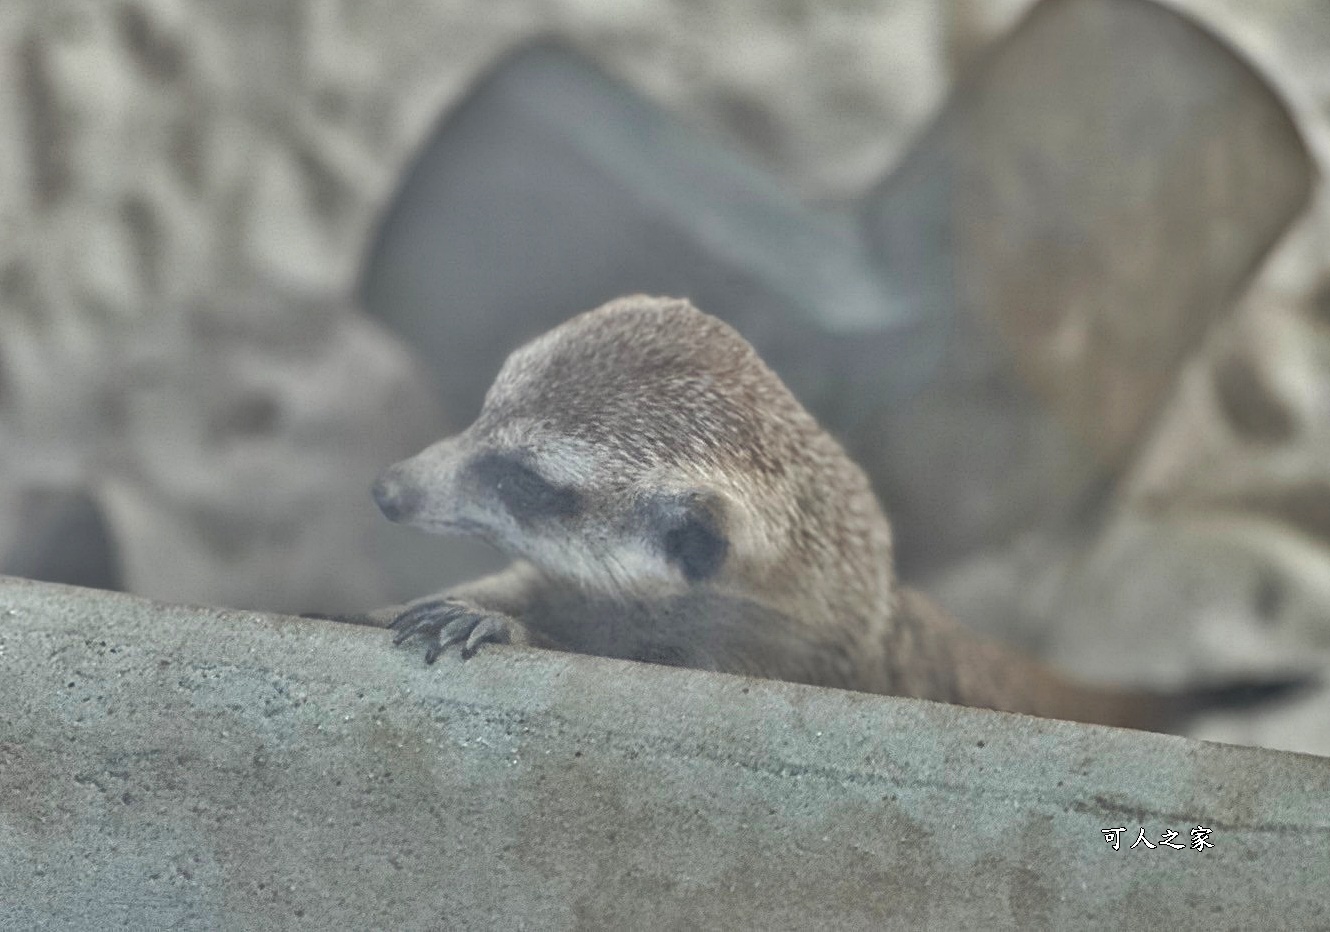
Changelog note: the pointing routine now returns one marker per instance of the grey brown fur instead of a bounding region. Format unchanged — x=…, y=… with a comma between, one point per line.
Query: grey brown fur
x=665, y=498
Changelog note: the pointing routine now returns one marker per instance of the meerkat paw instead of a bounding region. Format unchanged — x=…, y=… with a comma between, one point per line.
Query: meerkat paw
x=446, y=621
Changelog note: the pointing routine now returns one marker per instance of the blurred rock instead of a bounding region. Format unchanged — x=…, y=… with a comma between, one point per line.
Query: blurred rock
x=1246, y=441
x=230, y=445
x=1092, y=199
x=1197, y=592
x=1168, y=599
x=159, y=156
x=1164, y=600
x=1214, y=556
x=61, y=536
x=553, y=189
x=1052, y=225
x=248, y=439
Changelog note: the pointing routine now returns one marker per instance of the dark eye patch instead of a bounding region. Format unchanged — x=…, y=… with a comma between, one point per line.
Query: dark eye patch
x=524, y=492
x=691, y=531
x=697, y=548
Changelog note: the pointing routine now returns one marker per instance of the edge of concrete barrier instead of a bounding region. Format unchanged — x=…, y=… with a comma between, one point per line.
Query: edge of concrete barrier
x=172, y=767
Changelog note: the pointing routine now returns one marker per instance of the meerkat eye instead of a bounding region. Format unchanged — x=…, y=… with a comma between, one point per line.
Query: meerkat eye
x=524, y=492
x=691, y=530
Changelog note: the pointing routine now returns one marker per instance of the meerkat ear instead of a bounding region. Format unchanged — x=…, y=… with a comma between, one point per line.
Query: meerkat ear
x=691, y=530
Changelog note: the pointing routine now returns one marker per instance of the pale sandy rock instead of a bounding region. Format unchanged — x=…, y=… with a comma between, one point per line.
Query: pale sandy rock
x=248, y=443
x=1200, y=598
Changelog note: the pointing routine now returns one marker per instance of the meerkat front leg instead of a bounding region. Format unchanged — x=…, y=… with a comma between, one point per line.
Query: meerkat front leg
x=487, y=610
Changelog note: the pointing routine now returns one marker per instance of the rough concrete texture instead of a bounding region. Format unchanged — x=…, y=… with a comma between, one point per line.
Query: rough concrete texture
x=170, y=767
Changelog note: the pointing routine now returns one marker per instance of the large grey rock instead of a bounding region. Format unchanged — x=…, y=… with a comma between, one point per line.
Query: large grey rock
x=177, y=768
x=62, y=537
x=554, y=188
x=1091, y=199
x=1216, y=551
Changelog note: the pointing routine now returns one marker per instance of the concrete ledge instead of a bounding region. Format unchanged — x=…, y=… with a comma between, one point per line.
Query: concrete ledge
x=168, y=767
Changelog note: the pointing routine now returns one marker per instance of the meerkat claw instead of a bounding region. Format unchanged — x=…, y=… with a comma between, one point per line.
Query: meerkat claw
x=491, y=628
x=426, y=617
x=456, y=630
x=445, y=622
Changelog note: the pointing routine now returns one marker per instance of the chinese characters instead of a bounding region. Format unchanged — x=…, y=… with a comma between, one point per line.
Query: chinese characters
x=1200, y=839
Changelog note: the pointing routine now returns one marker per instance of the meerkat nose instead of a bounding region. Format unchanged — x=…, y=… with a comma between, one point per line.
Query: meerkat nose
x=398, y=500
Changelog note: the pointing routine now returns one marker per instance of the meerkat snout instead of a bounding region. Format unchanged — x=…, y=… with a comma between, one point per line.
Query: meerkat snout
x=397, y=497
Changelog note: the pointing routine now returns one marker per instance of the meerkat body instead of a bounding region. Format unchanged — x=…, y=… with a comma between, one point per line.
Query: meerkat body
x=665, y=498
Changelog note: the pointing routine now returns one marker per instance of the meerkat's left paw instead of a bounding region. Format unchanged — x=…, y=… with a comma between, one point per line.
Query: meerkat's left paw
x=446, y=621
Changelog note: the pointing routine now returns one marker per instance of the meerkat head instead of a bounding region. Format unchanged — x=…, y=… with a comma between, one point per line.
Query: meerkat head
x=612, y=449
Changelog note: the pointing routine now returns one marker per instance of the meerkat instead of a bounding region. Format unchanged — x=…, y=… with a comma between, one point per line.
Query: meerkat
x=665, y=498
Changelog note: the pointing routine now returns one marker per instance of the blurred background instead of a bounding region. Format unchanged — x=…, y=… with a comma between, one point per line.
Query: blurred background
x=1058, y=274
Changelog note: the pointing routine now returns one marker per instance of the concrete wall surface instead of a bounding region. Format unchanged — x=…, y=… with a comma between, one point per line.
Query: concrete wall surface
x=164, y=767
